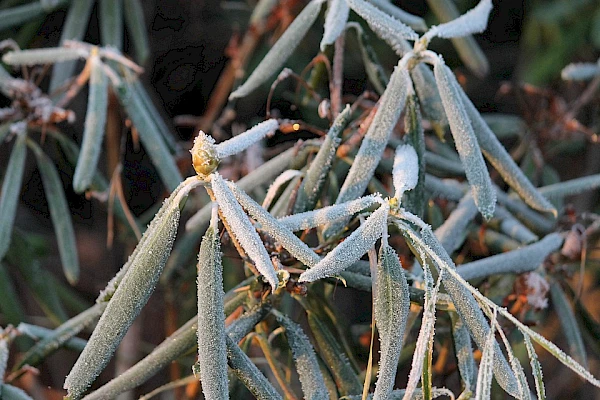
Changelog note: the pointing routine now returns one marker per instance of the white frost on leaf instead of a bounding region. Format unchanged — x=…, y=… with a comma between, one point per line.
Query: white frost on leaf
x=241, y=142
x=243, y=230
x=580, y=71
x=335, y=21
x=351, y=249
x=473, y=21
x=406, y=169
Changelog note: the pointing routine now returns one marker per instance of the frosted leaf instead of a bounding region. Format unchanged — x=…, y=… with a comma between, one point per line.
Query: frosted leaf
x=241, y=142
x=517, y=261
x=513, y=228
x=263, y=174
x=464, y=351
x=325, y=215
x=406, y=170
x=335, y=21
x=43, y=56
x=239, y=328
x=212, y=351
x=571, y=187
x=473, y=21
x=484, y=377
x=429, y=97
x=249, y=374
x=580, y=71
x=388, y=28
x=95, y=121
x=465, y=140
x=515, y=364
x=307, y=365
x=3, y=356
x=414, y=21
x=311, y=186
x=391, y=306
x=243, y=230
x=568, y=323
x=281, y=50
x=281, y=180
x=131, y=294
x=497, y=155
x=448, y=189
x=451, y=232
x=280, y=232
x=371, y=149
x=351, y=249
x=536, y=368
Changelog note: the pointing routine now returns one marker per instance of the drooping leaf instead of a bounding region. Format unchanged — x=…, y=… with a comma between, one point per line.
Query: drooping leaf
x=136, y=27
x=415, y=22
x=335, y=21
x=131, y=294
x=150, y=136
x=473, y=21
x=11, y=189
x=536, y=368
x=375, y=72
x=464, y=352
x=10, y=306
x=484, y=377
x=60, y=214
x=243, y=230
x=450, y=233
x=414, y=200
x=569, y=324
x=281, y=50
x=465, y=140
x=429, y=97
x=391, y=306
x=73, y=29
x=212, y=350
x=95, y=122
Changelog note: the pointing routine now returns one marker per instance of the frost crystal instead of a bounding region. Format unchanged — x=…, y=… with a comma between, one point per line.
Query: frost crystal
x=406, y=169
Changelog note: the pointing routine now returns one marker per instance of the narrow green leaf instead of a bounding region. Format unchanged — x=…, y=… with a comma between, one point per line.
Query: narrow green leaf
x=249, y=374
x=375, y=72
x=536, y=368
x=43, y=56
x=241, y=142
x=276, y=229
x=448, y=189
x=18, y=16
x=39, y=333
x=10, y=306
x=335, y=21
x=391, y=306
x=93, y=133
x=484, y=377
x=136, y=27
x=517, y=261
x=531, y=218
x=569, y=324
x=344, y=375
x=243, y=230
x=59, y=336
x=111, y=23
x=512, y=227
x=73, y=29
x=371, y=149
x=414, y=200
x=465, y=140
x=212, y=350
x=281, y=50
x=571, y=187
x=351, y=249
x=60, y=214
x=317, y=172
x=131, y=294
x=502, y=161
x=10, y=392
x=150, y=136
x=11, y=189
x=307, y=365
